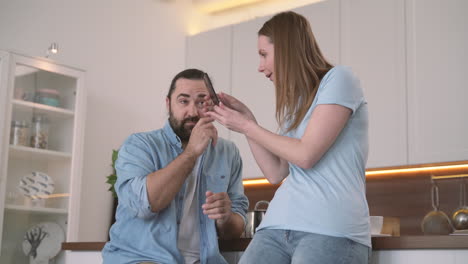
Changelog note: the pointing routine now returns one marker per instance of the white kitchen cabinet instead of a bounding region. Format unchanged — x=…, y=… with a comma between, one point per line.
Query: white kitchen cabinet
x=324, y=18
x=211, y=52
x=410, y=56
x=427, y=256
x=21, y=77
x=230, y=55
x=258, y=92
x=81, y=257
x=251, y=87
x=373, y=44
x=437, y=42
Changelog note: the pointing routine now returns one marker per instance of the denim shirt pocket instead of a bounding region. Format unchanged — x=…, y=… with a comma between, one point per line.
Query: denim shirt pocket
x=217, y=178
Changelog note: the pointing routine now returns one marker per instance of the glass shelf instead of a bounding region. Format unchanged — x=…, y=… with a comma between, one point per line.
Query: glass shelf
x=29, y=153
x=51, y=111
x=37, y=210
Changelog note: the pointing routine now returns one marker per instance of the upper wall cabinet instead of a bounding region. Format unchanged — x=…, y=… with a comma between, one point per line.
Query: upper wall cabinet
x=324, y=19
x=211, y=52
x=258, y=92
x=373, y=44
x=252, y=88
x=410, y=56
x=437, y=71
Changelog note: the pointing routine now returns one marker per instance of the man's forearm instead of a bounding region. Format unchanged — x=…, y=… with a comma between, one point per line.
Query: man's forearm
x=232, y=228
x=162, y=185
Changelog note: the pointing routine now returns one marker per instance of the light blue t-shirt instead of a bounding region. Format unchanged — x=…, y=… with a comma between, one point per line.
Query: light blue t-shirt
x=329, y=198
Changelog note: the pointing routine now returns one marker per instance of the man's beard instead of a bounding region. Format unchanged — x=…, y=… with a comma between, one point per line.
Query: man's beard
x=179, y=126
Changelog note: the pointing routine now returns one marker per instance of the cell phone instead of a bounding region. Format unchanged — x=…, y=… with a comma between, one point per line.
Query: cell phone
x=211, y=90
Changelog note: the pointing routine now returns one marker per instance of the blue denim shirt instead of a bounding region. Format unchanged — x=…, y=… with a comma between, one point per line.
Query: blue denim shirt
x=141, y=235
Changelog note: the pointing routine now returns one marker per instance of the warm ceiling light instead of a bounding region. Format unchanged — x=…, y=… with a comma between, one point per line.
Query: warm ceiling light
x=53, y=49
x=211, y=7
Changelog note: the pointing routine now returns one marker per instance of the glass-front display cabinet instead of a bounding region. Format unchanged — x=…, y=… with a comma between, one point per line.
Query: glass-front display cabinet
x=42, y=107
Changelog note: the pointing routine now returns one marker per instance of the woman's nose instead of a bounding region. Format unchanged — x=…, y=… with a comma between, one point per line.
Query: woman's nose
x=260, y=68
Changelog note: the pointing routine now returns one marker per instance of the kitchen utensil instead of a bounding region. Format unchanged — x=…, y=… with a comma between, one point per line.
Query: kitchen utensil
x=460, y=216
x=436, y=222
x=254, y=218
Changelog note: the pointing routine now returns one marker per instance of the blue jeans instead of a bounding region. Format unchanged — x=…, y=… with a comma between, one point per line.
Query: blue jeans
x=276, y=246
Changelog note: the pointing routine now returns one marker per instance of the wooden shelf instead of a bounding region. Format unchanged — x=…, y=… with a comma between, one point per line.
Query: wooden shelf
x=36, y=210
x=28, y=153
x=51, y=111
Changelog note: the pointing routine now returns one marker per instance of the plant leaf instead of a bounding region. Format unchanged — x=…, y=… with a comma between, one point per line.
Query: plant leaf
x=112, y=179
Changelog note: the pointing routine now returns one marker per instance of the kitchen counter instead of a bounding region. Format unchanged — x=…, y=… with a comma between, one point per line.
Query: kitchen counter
x=378, y=243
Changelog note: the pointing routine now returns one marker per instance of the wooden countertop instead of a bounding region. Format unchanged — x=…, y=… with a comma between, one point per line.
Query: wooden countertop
x=378, y=243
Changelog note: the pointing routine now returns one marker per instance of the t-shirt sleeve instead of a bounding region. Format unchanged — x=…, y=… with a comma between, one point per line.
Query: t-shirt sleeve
x=341, y=87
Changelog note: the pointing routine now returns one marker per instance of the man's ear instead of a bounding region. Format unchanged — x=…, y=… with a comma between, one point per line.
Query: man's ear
x=168, y=104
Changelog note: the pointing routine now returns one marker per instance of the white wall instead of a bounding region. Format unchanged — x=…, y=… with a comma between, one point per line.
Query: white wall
x=130, y=51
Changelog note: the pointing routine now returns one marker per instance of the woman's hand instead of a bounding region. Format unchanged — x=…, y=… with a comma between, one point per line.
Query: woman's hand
x=237, y=105
x=230, y=118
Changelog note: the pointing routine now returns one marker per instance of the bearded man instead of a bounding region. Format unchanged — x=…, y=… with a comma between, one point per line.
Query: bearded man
x=179, y=187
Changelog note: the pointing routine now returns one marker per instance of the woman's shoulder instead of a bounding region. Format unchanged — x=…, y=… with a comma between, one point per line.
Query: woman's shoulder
x=340, y=82
x=340, y=72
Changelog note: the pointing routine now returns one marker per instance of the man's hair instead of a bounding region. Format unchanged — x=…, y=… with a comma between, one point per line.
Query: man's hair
x=191, y=74
x=299, y=66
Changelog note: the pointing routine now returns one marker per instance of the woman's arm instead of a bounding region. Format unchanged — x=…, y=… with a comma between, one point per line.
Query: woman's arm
x=273, y=168
x=324, y=126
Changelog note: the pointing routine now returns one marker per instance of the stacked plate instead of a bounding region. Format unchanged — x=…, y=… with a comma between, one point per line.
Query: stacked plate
x=36, y=185
x=43, y=241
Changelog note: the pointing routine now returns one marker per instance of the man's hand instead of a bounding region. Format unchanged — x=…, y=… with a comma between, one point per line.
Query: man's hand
x=217, y=207
x=202, y=133
x=229, y=225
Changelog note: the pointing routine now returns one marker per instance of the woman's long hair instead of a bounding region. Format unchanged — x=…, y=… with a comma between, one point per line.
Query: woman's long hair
x=299, y=66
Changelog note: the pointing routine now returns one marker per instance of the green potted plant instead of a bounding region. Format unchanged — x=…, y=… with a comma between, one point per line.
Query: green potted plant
x=111, y=179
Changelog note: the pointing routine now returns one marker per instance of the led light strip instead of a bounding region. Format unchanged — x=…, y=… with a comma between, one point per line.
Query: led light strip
x=263, y=181
x=255, y=182
x=449, y=176
x=420, y=169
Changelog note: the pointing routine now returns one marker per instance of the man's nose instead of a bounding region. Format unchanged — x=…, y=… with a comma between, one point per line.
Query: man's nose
x=260, y=67
x=193, y=110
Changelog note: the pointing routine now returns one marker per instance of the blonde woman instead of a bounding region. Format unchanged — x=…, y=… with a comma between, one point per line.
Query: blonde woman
x=319, y=214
